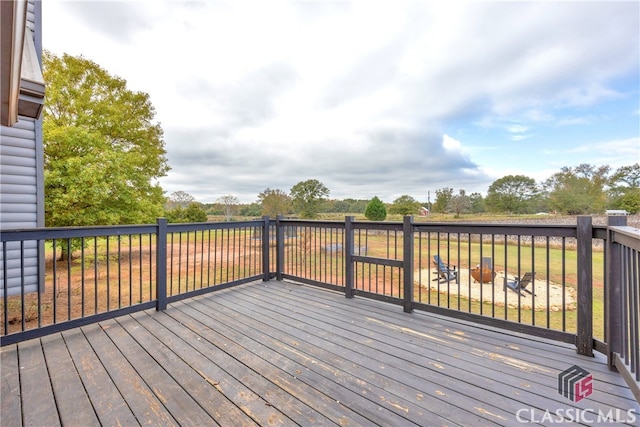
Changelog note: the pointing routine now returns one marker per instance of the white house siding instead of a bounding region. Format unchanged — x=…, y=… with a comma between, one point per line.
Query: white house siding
x=22, y=189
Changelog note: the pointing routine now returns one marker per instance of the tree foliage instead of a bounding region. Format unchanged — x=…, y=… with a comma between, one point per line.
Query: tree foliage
x=512, y=194
x=443, y=196
x=251, y=209
x=579, y=190
x=630, y=201
x=307, y=197
x=274, y=202
x=477, y=203
x=404, y=205
x=376, y=210
x=346, y=205
x=103, y=153
x=624, y=188
x=193, y=213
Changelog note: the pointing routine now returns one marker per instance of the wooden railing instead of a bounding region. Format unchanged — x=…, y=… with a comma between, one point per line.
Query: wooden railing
x=623, y=301
x=394, y=262
x=584, y=288
x=87, y=274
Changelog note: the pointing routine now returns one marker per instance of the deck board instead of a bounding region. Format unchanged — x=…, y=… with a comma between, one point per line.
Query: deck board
x=272, y=370
x=201, y=374
x=359, y=372
x=176, y=399
x=108, y=403
x=74, y=406
x=526, y=361
x=321, y=375
x=278, y=353
x=235, y=359
x=40, y=406
x=141, y=401
x=10, y=402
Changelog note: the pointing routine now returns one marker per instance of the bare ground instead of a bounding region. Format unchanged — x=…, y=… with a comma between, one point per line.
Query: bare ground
x=545, y=295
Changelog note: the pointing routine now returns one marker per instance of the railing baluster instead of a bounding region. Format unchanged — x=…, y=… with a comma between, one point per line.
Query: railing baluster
x=68, y=279
x=119, y=240
x=5, y=288
x=140, y=264
x=41, y=265
x=54, y=283
x=82, y=288
x=108, y=262
x=22, y=300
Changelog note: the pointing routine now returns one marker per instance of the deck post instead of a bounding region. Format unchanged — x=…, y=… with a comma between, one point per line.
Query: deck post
x=613, y=293
x=161, y=264
x=265, y=249
x=348, y=256
x=407, y=261
x=584, y=337
x=279, y=247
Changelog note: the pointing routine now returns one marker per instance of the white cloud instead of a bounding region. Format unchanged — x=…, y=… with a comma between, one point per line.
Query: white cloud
x=364, y=96
x=451, y=144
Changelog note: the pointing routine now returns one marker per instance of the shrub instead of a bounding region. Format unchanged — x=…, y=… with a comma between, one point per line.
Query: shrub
x=376, y=210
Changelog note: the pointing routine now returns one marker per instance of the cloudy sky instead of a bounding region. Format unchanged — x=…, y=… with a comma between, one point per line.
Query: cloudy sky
x=370, y=97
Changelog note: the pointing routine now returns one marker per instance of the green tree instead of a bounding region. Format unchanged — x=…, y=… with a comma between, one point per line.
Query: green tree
x=252, y=209
x=274, y=202
x=103, y=152
x=404, y=205
x=307, y=197
x=376, y=210
x=512, y=194
x=443, y=196
x=193, y=213
x=346, y=205
x=630, y=201
x=579, y=190
x=624, y=188
x=477, y=203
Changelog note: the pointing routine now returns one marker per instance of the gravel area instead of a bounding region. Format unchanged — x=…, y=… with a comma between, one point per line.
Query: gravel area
x=545, y=295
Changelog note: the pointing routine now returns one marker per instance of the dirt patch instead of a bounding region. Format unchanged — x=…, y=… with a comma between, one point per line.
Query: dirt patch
x=545, y=295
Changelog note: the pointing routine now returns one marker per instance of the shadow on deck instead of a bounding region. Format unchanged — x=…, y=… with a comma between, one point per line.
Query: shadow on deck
x=271, y=353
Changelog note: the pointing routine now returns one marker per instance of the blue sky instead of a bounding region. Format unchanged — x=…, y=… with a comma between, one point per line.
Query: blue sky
x=371, y=98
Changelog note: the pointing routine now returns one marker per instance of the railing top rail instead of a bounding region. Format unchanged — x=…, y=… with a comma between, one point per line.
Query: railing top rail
x=556, y=230
x=74, y=232
x=627, y=236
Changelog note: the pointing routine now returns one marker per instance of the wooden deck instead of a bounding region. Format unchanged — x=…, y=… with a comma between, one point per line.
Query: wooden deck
x=278, y=353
